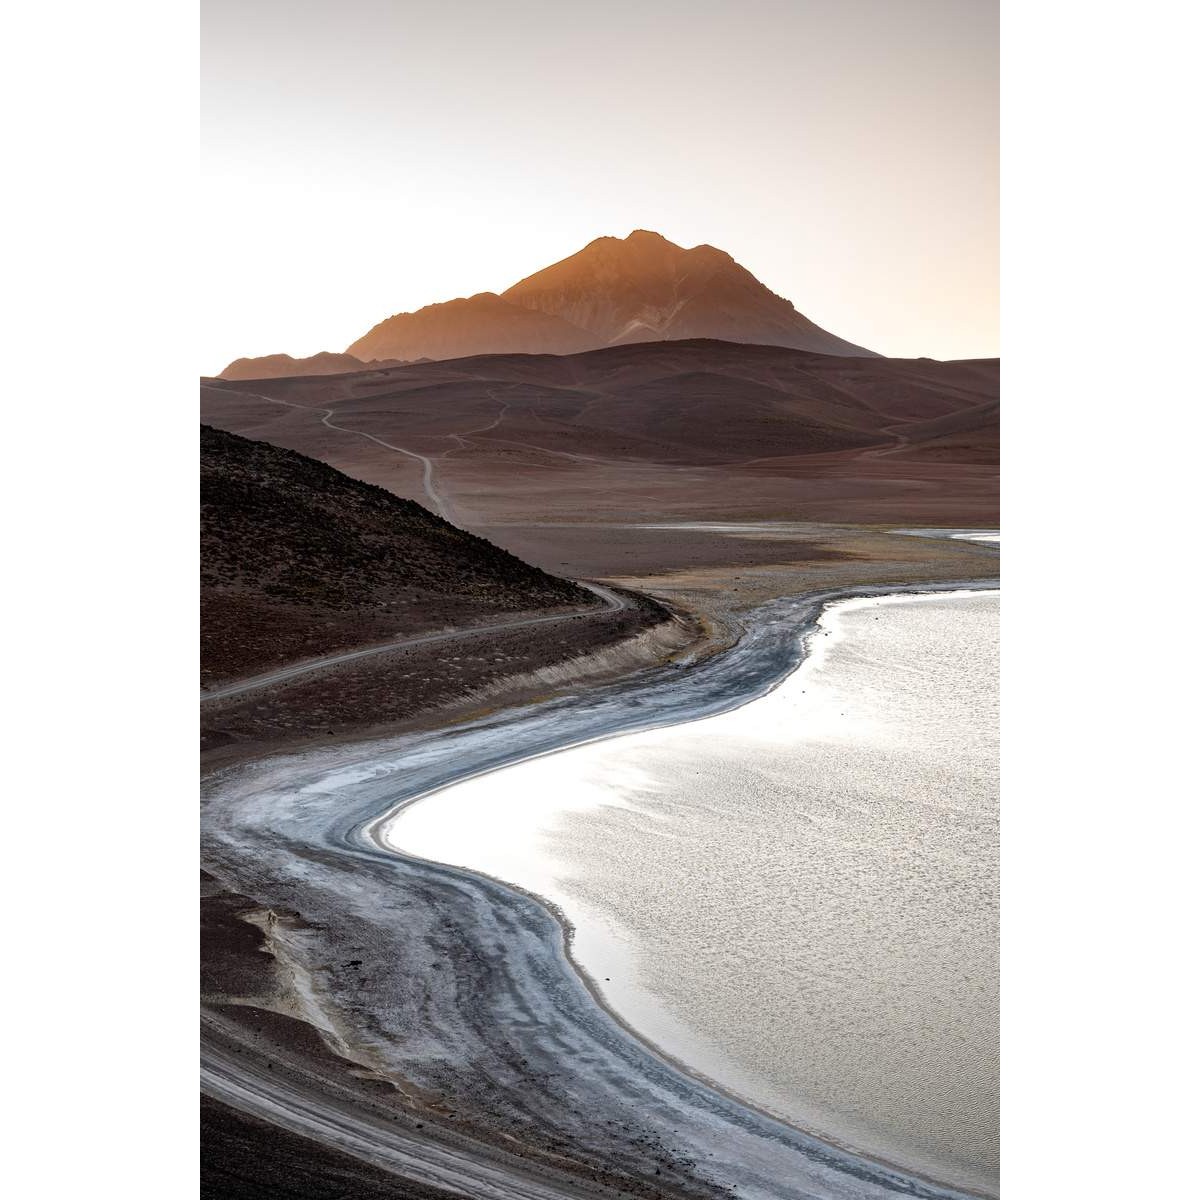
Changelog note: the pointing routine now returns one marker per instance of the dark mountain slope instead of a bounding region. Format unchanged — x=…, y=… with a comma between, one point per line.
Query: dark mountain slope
x=300, y=560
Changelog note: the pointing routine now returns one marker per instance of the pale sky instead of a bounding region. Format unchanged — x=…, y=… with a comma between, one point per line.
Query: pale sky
x=367, y=157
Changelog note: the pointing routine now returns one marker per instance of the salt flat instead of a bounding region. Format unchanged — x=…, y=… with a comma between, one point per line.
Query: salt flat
x=797, y=899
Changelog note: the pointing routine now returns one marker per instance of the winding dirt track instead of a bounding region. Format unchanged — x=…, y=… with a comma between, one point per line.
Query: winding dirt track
x=440, y=504
x=613, y=602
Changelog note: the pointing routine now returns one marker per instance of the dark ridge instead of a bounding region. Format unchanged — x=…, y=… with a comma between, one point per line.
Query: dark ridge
x=300, y=560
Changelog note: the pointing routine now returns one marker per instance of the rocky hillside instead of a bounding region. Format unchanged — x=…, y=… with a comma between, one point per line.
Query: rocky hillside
x=299, y=560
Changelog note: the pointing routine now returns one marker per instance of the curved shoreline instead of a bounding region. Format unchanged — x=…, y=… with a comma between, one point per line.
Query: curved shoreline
x=378, y=831
x=786, y=1160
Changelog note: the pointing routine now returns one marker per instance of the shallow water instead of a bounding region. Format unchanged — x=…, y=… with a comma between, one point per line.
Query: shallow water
x=991, y=536
x=797, y=898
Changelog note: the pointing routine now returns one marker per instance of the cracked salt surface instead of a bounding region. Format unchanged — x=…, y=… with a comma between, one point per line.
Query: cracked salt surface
x=799, y=898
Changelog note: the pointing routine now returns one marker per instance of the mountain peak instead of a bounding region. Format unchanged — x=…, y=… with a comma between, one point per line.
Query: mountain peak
x=649, y=236
x=639, y=288
x=634, y=238
x=704, y=250
x=646, y=288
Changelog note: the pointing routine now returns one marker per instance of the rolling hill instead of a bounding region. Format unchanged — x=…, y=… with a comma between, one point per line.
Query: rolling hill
x=645, y=432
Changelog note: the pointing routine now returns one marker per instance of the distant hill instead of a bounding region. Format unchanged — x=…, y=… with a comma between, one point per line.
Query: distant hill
x=642, y=431
x=299, y=560
x=613, y=292
x=483, y=324
x=283, y=366
x=644, y=288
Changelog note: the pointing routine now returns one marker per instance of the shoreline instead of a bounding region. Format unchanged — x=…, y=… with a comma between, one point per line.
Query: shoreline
x=358, y=836
x=375, y=832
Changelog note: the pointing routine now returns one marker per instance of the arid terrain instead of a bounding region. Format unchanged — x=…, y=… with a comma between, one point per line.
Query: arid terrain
x=666, y=431
x=504, y=1113
x=300, y=562
x=688, y=483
